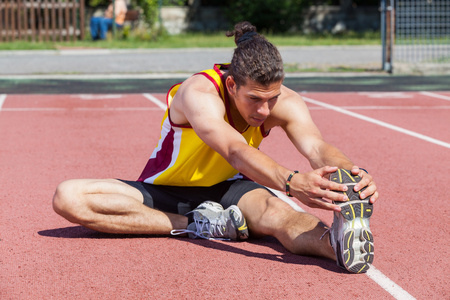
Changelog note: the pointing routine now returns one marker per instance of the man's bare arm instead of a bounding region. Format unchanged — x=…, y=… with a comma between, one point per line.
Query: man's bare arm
x=198, y=104
x=304, y=134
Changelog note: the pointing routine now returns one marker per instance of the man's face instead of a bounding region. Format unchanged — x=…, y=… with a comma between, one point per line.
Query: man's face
x=253, y=101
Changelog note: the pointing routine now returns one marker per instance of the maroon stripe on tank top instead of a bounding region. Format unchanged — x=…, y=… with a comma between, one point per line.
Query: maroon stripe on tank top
x=162, y=159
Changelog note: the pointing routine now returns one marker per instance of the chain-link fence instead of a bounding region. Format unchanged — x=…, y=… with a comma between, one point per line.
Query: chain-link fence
x=417, y=33
x=422, y=30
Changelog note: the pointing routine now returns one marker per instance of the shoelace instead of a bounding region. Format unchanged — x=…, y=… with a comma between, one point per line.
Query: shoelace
x=205, y=229
x=199, y=231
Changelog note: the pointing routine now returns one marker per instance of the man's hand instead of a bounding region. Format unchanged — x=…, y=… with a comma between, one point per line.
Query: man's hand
x=366, y=181
x=315, y=190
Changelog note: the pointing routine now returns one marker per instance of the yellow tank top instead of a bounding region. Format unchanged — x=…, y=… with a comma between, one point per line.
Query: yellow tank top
x=181, y=158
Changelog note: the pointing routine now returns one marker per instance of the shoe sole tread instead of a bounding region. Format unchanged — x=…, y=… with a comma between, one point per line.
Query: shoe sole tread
x=357, y=252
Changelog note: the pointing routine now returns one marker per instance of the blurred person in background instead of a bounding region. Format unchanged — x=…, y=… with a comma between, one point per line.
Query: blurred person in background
x=100, y=25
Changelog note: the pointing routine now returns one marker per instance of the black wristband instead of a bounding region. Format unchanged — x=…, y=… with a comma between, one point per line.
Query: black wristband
x=288, y=183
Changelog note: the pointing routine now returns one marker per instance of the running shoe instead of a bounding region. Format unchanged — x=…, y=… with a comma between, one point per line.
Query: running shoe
x=350, y=234
x=212, y=222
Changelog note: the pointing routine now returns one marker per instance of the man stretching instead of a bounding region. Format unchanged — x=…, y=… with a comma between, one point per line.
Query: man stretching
x=193, y=182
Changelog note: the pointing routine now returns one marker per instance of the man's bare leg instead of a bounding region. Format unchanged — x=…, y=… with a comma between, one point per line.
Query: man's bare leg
x=299, y=232
x=111, y=206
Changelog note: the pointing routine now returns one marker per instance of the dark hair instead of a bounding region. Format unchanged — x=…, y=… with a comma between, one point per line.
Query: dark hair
x=254, y=58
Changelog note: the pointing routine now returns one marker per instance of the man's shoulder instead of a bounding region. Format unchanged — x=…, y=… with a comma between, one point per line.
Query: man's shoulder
x=289, y=99
x=196, y=90
x=289, y=93
x=199, y=83
x=289, y=103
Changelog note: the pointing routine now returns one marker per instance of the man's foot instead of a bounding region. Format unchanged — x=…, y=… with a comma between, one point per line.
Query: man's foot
x=350, y=234
x=211, y=221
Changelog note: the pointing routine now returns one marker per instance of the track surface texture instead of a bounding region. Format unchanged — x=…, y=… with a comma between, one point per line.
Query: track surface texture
x=48, y=138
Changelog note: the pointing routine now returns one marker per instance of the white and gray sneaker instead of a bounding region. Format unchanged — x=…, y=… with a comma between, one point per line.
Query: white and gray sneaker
x=212, y=222
x=350, y=234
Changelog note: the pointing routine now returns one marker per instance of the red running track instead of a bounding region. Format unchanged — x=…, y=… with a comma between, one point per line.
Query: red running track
x=49, y=138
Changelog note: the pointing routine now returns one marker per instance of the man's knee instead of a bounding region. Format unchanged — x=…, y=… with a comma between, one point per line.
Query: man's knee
x=280, y=218
x=66, y=200
x=278, y=210
x=275, y=213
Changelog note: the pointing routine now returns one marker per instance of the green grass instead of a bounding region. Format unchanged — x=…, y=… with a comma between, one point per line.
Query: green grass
x=351, y=38
x=141, y=40
x=443, y=59
x=295, y=68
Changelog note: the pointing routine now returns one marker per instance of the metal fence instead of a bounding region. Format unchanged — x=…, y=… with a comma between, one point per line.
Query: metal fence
x=387, y=33
x=422, y=30
x=42, y=20
x=415, y=32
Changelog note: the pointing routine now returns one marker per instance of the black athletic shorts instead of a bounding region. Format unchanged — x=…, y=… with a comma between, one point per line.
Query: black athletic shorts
x=181, y=200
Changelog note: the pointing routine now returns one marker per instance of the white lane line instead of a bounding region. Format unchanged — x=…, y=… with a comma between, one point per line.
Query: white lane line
x=434, y=95
x=116, y=108
x=2, y=100
x=97, y=97
x=391, y=287
x=373, y=273
x=155, y=100
x=386, y=107
x=29, y=109
x=389, y=95
x=380, y=123
x=41, y=109
x=288, y=200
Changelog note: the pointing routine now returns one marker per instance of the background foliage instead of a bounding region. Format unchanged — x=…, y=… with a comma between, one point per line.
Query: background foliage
x=150, y=10
x=267, y=15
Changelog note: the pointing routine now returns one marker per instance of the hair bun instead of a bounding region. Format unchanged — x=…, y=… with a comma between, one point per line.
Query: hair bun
x=246, y=36
x=242, y=29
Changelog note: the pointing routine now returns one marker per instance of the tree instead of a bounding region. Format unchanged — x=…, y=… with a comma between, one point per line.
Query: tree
x=267, y=15
x=150, y=10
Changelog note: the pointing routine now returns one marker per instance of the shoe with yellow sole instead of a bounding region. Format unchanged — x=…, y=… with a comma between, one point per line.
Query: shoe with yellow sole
x=350, y=234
